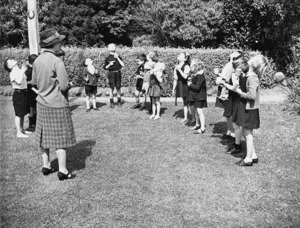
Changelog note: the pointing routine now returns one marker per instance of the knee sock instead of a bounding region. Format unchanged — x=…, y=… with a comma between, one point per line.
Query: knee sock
x=119, y=99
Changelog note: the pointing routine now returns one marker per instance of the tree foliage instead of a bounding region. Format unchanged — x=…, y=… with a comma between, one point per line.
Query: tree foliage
x=269, y=26
x=190, y=23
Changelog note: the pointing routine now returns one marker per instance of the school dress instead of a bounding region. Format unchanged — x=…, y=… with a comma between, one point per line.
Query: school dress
x=114, y=71
x=54, y=126
x=242, y=116
x=197, y=92
x=182, y=87
x=90, y=85
x=31, y=94
x=155, y=89
x=232, y=101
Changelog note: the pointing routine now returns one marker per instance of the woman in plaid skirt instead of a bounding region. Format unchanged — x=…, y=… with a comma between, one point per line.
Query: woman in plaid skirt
x=54, y=127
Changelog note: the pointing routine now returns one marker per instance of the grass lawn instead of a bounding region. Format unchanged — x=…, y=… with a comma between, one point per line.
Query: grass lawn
x=136, y=172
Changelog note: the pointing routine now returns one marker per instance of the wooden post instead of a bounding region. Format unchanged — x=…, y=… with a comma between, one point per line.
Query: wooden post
x=33, y=27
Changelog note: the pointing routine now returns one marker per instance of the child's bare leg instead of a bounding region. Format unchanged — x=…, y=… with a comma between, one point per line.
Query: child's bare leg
x=185, y=114
x=119, y=97
x=249, y=144
x=196, y=116
x=202, y=118
x=94, y=101
x=238, y=133
x=153, y=108
x=137, y=96
x=19, y=127
x=230, y=129
x=111, y=97
x=157, y=102
x=87, y=101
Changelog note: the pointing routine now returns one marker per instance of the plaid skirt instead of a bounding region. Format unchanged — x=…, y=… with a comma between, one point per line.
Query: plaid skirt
x=54, y=127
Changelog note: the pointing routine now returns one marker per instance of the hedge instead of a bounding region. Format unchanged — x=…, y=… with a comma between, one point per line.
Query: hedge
x=75, y=57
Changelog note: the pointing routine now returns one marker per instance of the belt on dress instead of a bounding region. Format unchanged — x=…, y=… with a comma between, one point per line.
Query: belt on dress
x=114, y=70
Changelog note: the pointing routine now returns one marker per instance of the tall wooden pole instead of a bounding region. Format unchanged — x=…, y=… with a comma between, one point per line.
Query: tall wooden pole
x=33, y=27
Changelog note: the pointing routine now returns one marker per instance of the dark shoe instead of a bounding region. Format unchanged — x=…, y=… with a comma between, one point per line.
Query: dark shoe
x=88, y=110
x=234, y=150
x=199, y=131
x=243, y=163
x=62, y=176
x=47, y=171
x=137, y=105
x=255, y=160
x=96, y=109
x=112, y=105
x=30, y=128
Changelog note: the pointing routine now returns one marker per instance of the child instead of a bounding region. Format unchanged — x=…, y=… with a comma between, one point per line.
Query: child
x=19, y=84
x=240, y=67
x=197, y=96
x=91, y=79
x=225, y=100
x=180, y=88
x=149, y=65
x=139, y=80
x=247, y=115
x=155, y=89
x=113, y=63
x=31, y=94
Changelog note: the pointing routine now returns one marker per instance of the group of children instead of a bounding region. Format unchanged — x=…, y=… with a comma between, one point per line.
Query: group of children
x=238, y=92
x=23, y=96
x=241, y=102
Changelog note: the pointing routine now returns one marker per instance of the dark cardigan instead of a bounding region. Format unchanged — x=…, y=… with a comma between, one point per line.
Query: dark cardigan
x=197, y=90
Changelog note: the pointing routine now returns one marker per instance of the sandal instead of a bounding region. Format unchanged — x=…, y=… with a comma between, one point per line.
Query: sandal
x=61, y=176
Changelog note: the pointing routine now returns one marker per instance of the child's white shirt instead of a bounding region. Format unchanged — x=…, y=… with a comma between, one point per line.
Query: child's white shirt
x=18, y=78
x=91, y=68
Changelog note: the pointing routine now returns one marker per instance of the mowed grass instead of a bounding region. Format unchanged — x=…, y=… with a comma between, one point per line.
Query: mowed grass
x=136, y=172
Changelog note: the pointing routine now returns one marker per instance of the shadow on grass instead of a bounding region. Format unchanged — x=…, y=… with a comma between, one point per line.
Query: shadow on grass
x=77, y=155
x=73, y=107
x=100, y=104
x=178, y=113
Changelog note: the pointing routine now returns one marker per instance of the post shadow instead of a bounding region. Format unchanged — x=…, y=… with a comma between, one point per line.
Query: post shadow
x=77, y=155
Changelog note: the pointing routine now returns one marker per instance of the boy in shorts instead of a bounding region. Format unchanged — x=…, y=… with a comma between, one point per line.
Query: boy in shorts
x=113, y=63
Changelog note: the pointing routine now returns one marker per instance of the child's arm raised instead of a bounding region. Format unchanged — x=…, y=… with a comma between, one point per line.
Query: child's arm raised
x=119, y=59
x=185, y=72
